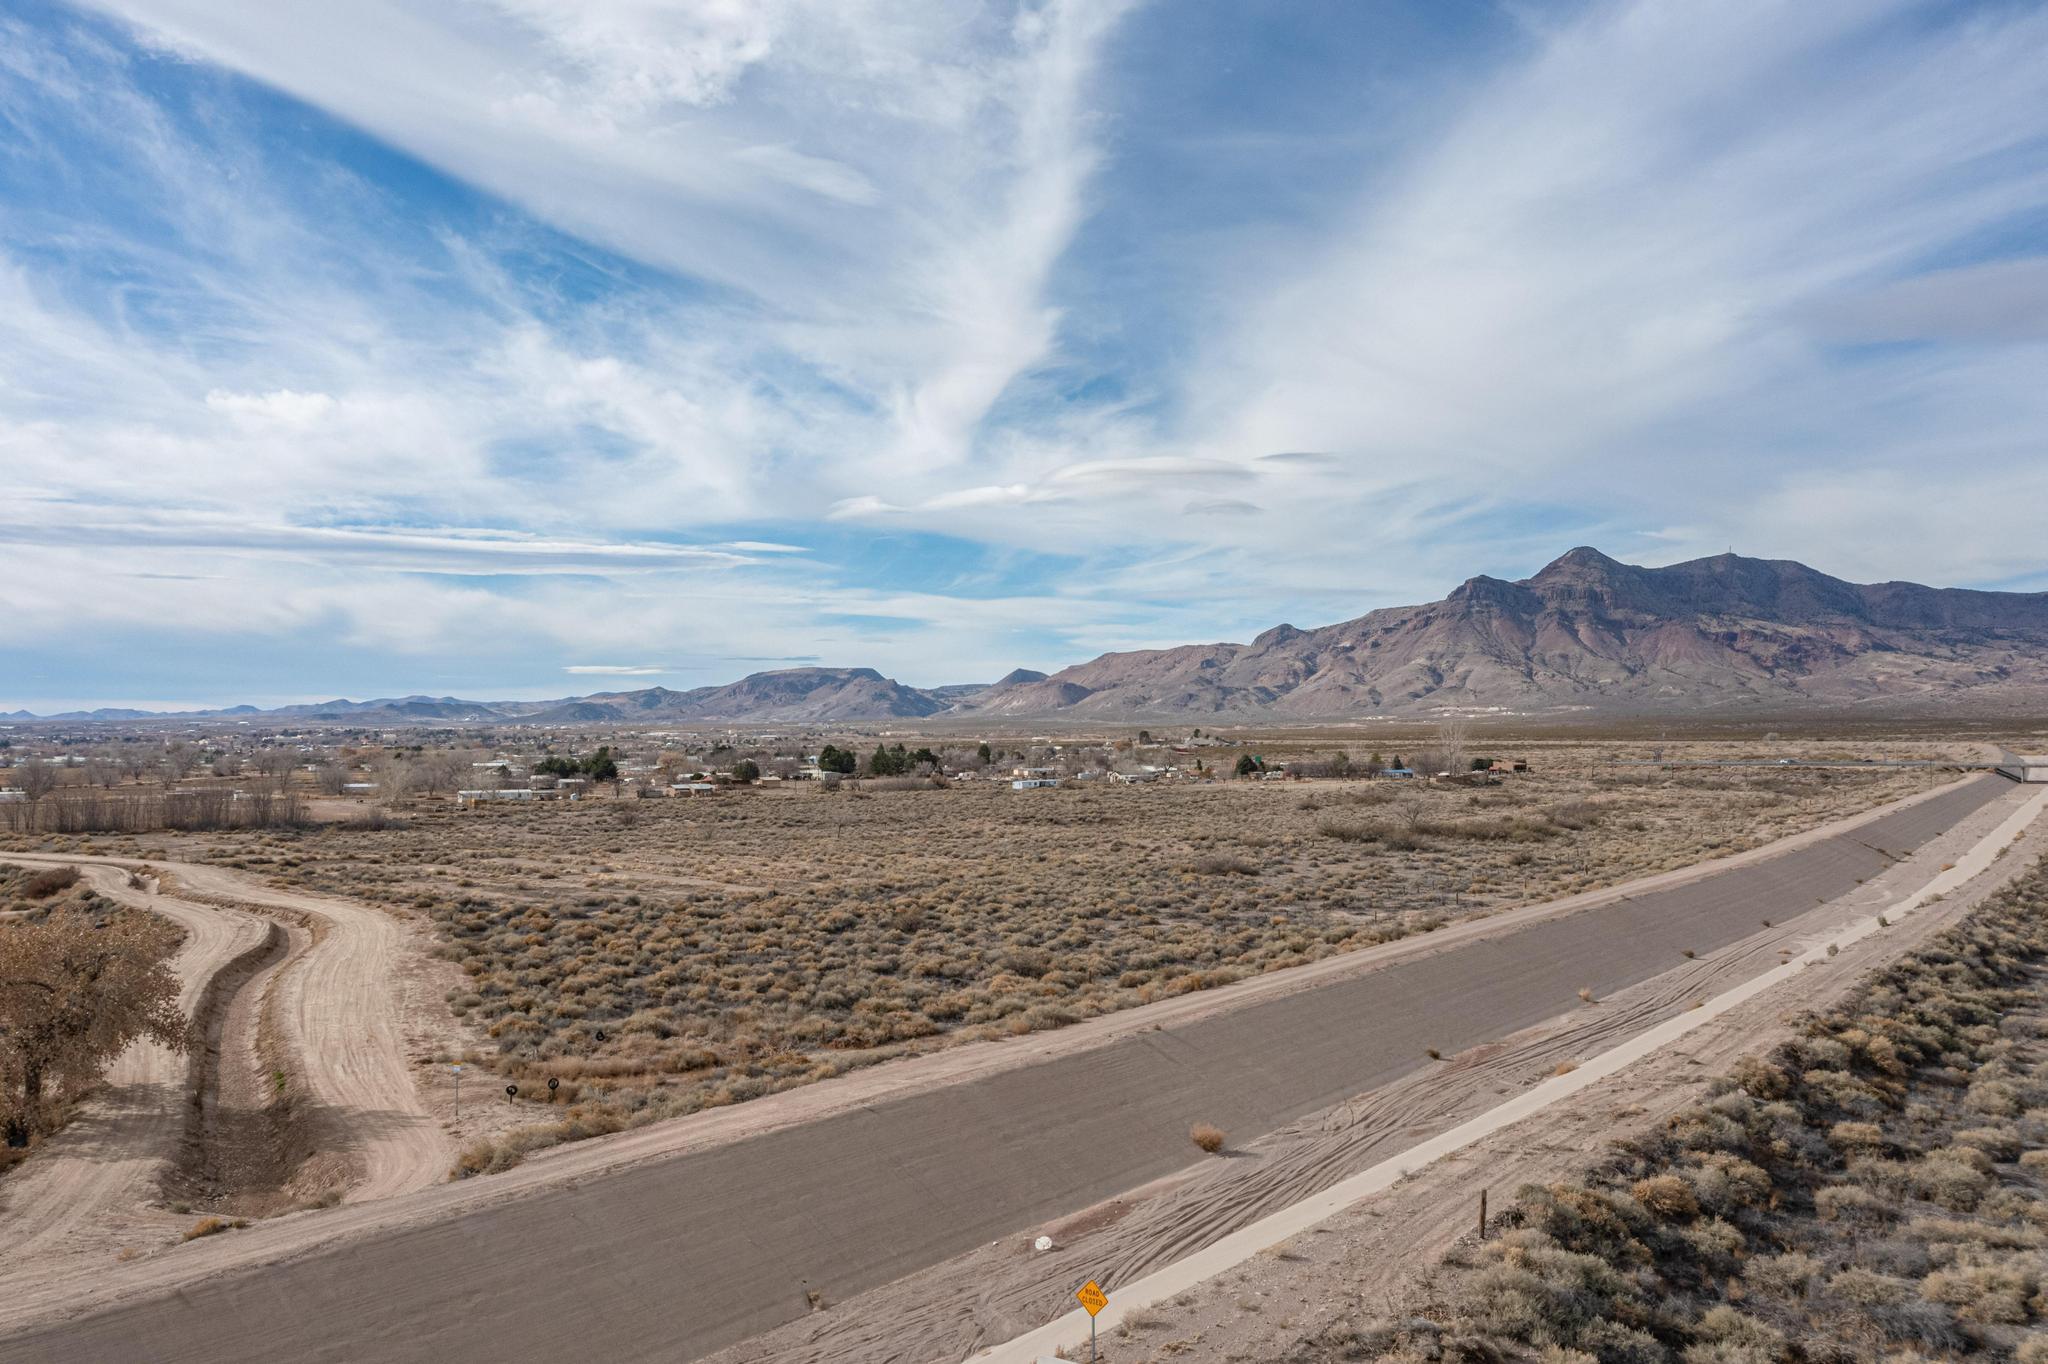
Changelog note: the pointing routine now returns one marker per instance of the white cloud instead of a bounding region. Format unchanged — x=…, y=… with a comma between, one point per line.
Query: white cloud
x=1603, y=294
x=2002, y=301
x=283, y=406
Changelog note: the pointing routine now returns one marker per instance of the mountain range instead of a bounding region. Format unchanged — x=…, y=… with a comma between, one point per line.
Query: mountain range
x=1585, y=634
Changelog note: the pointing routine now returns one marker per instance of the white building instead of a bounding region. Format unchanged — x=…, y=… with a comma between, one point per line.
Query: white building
x=1032, y=783
x=513, y=793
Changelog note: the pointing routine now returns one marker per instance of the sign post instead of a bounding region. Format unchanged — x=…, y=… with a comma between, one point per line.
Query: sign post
x=458, y=1091
x=1094, y=1299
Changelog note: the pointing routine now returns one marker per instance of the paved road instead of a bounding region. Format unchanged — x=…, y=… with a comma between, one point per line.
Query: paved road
x=675, y=1258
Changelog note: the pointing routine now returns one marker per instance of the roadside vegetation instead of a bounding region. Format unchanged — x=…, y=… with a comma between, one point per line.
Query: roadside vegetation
x=1874, y=1190
x=655, y=957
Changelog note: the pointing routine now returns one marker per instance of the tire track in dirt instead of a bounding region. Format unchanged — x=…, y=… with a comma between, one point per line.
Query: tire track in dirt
x=709, y=1229
x=1376, y=1258
x=339, y=1007
x=94, y=1178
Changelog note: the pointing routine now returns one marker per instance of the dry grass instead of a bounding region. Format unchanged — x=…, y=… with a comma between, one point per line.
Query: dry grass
x=213, y=1226
x=1207, y=1136
x=733, y=947
x=43, y=884
x=1874, y=1190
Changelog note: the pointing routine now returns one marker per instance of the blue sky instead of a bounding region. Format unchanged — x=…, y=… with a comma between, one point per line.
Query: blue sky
x=522, y=348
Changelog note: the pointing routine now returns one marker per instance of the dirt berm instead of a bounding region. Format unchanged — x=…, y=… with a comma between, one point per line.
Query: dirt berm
x=676, y=1257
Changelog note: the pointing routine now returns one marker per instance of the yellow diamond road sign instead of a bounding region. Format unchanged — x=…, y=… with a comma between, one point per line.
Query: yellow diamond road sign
x=1092, y=1297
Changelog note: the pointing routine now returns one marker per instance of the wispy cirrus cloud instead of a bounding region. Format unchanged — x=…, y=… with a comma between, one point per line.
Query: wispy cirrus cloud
x=906, y=334
x=618, y=669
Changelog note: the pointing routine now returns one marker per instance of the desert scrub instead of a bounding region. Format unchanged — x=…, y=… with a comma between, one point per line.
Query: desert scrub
x=704, y=953
x=213, y=1226
x=1865, y=1192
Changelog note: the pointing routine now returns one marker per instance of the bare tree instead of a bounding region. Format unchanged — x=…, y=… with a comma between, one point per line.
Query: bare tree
x=74, y=993
x=276, y=765
x=441, y=771
x=1453, y=736
x=37, y=778
x=178, y=760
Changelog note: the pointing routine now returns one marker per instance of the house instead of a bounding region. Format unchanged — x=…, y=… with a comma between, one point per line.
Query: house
x=692, y=788
x=1398, y=772
x=514, y=793
x=1032, y=783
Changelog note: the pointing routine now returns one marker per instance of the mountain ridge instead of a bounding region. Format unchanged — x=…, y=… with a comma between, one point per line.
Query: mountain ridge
x=1584, y=633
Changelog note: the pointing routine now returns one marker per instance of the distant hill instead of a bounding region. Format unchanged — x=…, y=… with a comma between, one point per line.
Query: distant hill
x=1587, y=634
x=798, y=695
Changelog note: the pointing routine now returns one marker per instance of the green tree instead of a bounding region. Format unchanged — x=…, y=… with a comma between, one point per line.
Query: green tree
x=984, y=754
x=601, y=766
x=746, y=771
x=1246, y=765
x=841, y=760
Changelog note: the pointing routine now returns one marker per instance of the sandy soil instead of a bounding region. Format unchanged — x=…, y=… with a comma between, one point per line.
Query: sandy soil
x=351, y=1016
x=342, y=1016
x=1374, y=1259
x=293, y=1239
x=92, y=1186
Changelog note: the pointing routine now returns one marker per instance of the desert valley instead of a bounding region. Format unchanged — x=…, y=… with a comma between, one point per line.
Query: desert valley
x=1012, y=681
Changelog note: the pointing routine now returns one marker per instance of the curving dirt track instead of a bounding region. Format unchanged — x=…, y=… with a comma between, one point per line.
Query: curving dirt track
x=713, y=1228
x=340, y=1004
x=96, y=1175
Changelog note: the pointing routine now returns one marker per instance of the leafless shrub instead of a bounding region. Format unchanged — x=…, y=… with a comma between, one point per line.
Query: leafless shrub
x=44, y=884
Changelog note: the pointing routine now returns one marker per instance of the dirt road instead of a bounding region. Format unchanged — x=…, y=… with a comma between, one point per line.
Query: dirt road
x=678, y=1255
x=94, y=1179
x=343, y=1007
x=341, y=1004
